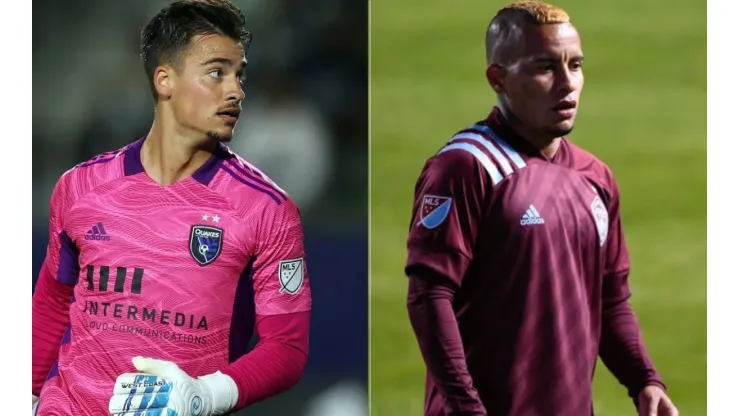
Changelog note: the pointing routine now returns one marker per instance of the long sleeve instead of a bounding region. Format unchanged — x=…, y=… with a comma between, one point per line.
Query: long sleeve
x=277, y=362
x=282, y=297
x=622, y=348
x=50, y=311
x=53, y=294
x=443, y=232
x=435, y=326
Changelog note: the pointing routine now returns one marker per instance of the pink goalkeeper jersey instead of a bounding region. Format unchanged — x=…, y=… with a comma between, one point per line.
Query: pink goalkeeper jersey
x=173, y=272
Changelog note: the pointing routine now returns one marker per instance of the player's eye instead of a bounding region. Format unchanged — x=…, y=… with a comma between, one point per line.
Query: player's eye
x=216, y=73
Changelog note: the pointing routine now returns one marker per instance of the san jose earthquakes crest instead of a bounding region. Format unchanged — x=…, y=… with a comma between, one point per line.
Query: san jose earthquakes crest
x=205, y=243
x=434, y=210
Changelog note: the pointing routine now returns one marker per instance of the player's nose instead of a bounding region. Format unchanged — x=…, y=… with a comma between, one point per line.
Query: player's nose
x=235, y=92
x=236, y=95
x=567, y=81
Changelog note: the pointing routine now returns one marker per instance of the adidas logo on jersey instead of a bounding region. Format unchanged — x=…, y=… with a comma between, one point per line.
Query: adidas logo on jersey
x=532, y=217
x=97, y=233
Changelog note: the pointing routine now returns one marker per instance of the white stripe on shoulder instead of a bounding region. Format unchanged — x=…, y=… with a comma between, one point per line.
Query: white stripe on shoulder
x=505, y=165
x=484, y=160
x=513, y=155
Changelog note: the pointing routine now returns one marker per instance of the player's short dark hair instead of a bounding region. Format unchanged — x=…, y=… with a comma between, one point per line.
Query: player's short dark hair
x=507, y=25
x=168, y=34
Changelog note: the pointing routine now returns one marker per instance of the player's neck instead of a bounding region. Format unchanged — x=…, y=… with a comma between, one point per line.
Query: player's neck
x=169, y=156
x=547, y=145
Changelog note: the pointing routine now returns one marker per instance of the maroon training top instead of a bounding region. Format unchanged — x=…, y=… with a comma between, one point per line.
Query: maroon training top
x=518, y=270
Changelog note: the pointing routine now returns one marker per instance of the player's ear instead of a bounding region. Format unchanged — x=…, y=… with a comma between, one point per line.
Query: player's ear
x=163, y=81
x=495, y=75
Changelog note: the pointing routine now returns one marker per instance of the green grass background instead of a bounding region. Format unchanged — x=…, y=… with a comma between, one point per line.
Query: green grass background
x=643, y=112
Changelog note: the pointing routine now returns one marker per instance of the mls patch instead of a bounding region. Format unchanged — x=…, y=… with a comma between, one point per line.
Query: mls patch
x=205, y=243
x=290, y=273
x=434, y=210
x=601, y=218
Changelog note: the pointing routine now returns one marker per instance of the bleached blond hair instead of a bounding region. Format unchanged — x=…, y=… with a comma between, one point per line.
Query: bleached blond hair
x=508, y=24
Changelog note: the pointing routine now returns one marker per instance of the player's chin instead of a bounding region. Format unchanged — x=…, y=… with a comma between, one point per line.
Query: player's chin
x=562, y=128
x=222, y=133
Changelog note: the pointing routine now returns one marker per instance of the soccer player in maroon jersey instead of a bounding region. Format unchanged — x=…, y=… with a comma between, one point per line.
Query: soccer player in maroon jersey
x=165, y=256
x=517, y=260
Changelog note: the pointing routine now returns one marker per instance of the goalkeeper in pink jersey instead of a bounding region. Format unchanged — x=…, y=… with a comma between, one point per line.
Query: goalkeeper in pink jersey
x=165, y=256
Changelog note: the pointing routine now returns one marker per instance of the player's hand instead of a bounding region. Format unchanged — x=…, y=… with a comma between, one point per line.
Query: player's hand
x=34, y=404
x=653, y=401
x=162, y=388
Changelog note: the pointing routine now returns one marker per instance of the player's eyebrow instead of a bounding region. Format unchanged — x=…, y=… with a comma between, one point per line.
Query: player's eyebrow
x=217, y=60
x=240, y=71
x=226, y=61
x=554, y=59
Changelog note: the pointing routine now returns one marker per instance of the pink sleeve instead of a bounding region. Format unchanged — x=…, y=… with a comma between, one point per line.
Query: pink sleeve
x=53, y=292
x=280, y=273
x=283, y=304
x=276, y=363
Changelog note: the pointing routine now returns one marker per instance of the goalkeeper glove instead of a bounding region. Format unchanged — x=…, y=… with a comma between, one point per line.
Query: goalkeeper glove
x=34, y=404
x=162, y=388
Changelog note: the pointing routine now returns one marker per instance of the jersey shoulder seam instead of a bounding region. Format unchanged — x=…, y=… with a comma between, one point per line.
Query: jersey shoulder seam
x=499, y=159
x=243, y=173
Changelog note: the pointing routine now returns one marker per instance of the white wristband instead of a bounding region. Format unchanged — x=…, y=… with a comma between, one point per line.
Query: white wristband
x=224, y=391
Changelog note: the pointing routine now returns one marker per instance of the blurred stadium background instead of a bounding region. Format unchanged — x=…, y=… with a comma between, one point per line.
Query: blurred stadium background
x=643, y=112
x=305, y=125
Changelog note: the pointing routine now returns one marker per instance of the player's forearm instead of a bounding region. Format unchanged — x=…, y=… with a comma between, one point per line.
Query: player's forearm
x=433, y=320
x=277, y=362
x=50, y=312
x=622, y=348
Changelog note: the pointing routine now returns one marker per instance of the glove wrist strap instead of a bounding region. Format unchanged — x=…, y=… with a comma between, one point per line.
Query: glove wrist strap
x=223, y=390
